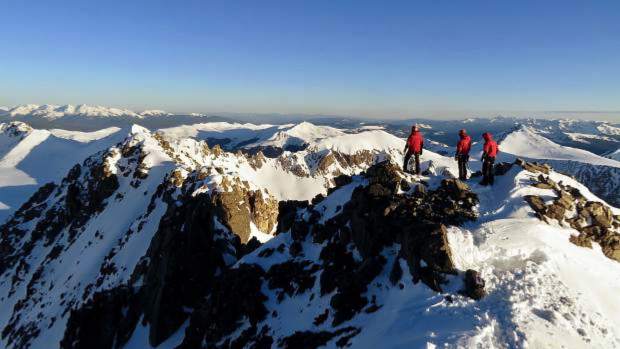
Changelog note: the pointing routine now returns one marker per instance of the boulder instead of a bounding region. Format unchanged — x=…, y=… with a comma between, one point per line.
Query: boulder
x=533, y=167
x=474, y=285
x=536, y=203
x=610, y=244
x=599, y=213
x=556, y=211
x=502, y=168
x=565, y=200
x=581, y=240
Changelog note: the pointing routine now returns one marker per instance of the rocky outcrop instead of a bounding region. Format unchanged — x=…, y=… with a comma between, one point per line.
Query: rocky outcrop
x=593, y=220
x=188, y=267
x=239, y=206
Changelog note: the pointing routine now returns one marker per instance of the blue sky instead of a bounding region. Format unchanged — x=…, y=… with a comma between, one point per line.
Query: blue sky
x=368, y=58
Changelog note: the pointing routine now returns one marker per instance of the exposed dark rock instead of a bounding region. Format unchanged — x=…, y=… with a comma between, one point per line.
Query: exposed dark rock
x=536, y=203
x=106, y=321
x=533, y=167
x=288, y=214
x=581, y=240
x=313, y=340
x=502, y=168
x=396, y=273
x=474, y=285
x=291, y=277
x=184, y=258
x=235, y=296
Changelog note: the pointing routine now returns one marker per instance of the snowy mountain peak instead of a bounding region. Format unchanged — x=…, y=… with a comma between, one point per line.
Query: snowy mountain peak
x=155, y=112
x=49, y=111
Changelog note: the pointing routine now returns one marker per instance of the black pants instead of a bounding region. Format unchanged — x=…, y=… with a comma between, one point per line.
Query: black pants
x=416, y=157
x=487, y=170
x=462, y=160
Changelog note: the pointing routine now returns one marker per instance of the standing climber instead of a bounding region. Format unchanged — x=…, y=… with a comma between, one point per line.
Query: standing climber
x=489, y=152
x=462, y=153
x=414, y=146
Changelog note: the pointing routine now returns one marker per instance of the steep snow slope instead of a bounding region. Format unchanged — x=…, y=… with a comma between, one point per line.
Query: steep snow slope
x=30, y=158
x=614, y=155
x=600, y=174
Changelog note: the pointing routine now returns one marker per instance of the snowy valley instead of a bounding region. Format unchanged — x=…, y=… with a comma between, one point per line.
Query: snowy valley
x=217, y=233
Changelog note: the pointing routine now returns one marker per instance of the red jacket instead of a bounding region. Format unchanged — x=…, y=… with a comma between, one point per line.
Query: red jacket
x=415, y=142
x=490, y=146
x=464, y=145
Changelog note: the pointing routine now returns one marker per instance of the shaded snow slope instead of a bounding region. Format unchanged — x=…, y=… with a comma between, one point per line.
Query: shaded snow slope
x=36, y=157
x=614, y=155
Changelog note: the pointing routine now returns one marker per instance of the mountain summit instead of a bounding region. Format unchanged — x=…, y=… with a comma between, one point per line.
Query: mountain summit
x=192, y=237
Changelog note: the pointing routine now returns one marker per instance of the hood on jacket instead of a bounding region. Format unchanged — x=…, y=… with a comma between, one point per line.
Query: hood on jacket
x=462, y=134
x=487, y=136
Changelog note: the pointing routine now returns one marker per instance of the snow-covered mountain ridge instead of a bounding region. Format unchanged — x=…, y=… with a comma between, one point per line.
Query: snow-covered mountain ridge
x=155, y=240
x=600, y=174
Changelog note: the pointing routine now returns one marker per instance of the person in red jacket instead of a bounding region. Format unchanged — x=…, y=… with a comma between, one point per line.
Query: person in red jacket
x=462, y=153
x=414, y=146
x=489, y=152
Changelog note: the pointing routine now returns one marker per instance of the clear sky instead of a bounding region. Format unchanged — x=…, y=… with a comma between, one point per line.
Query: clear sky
x=431, y=58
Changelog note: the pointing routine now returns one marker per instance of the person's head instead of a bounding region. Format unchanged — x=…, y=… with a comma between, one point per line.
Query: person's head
x=462, y=133
x=415, y=128
x=487, y=136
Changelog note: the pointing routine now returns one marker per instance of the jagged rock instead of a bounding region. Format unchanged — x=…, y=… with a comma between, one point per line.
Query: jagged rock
x=386, y=173
x=456, y=187
x=599, y=213
x=288, y=214
x=235, y=296
x=257, y=160
x=556, y=211
x=176, y=177
x=610, y=244
x=291, y=277
x=325, y=162
x=474, y=285
x=536, y=203
x=545, y=183
x=576, y=222
x=238, y=207
x=106, y=321
x=264, y=209
x=217, y=150
x=565, y=200
x=311, y=340
x=184, y=257
x=533, y=167
x=581, y=240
